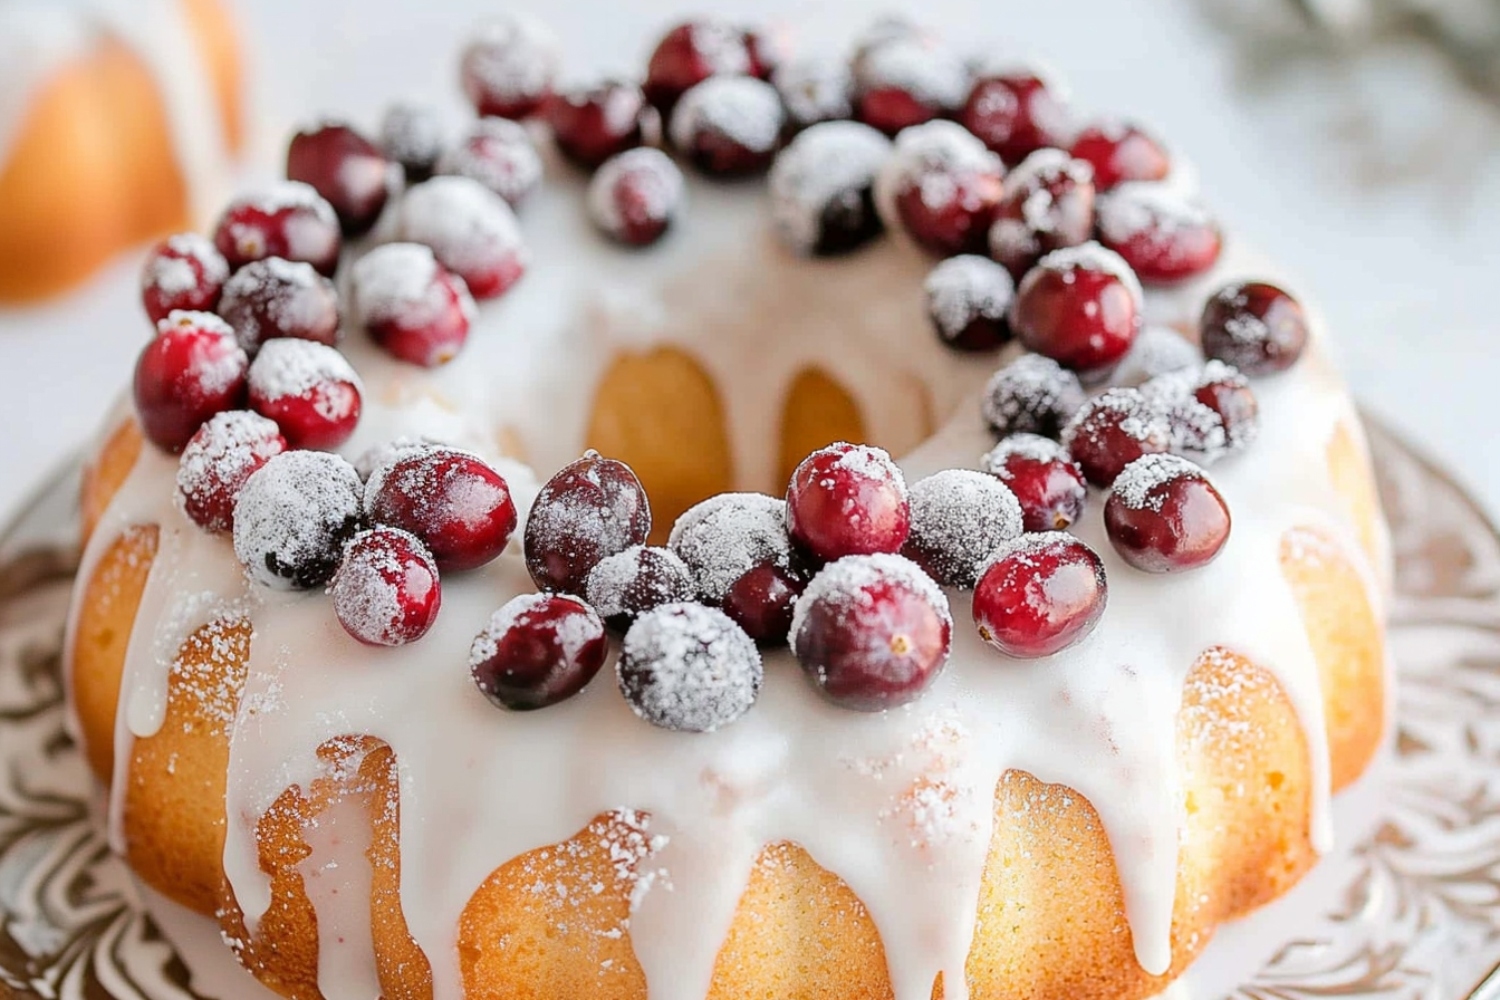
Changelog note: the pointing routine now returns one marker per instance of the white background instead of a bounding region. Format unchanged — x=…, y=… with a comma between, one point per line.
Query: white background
x=1379, y=182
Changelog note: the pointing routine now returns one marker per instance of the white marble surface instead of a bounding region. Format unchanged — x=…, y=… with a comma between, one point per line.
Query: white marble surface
x=1379, y=183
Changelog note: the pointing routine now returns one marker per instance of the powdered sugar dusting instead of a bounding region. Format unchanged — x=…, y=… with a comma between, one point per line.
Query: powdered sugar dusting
x=1157, y=350
x=835, y=161
x=222, y=455
x=958, y=517
x=868, y=462
x=286, y=291
x=918, y=66
x=925, y=155
x=293, y=511
x=638, y=578
x=1140, y=417
x=846, y=583
x=398, y=283
x=815, y=89
x=368, y=587
x=499, y=154
x=726, y=536
x=688, y=667
x=174, y=274
x=656, y=187
x=1032, y=447
x=287, y=367
x=573, y=632
x=742, y=108
x=412, y=134
x=514, y=56
x=466, y=224
x=964, y=288
x=1138, y=485
x=1032, y=394
x=1141, y=208
x=1092, y=256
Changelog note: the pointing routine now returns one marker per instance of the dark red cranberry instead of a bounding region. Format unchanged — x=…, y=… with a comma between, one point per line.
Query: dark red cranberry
x=872, y=632
x=591, y=124
x=1163, y=515
x=1049, y=485
x=1015, y=114
x=823, y=188
x=290, y=220
x=627, y=584
x=1210, y=407
x=847, y=499
x=508, y=66
x=907, y=81
x=459, y=506
x=273, y=298
x=592, y=508
x=1227, y=393
x=294, y=516
x=413, y=136
x=411, y=305
x=386, y=591
x=1121, y=152
x=762, y=601
x=1114, y=429
x=736, y=547
x=688, y=668
x=816, y=89
x=1040, y=595
x=958, y=517
x=1164, y=237
x=499, y=154
x=309, y=390
x=191, y=371
x=1048, y=205
x=217, y=461
x=691, y=53
x=472, y=231
x=943, y=185
x=348, y=170
x=968, y=300
x=183, y=273
x=1080, y=306
x=538, y=650
x=728, y=125
x=635, y=197
x=1255, y=326
x=1031, y=395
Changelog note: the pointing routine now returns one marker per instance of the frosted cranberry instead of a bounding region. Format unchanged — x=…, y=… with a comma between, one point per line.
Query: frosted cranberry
x=1048, y=205
x=1047, y=483
x=386, y=591
x=691, y=53
x=688, y=668
x=472, y=231
x=538, y=650
x=1227, y=393
x=958, y=517
x=1211, y=408
x=309, y=390
x=728, y=125
x=1162, y=236
x=872, y=632
x=1080, y=306
x=1255, y=326
x=1015, y=114
x=1039, y=595
x=1158, y=350
x=968, y=300
x=906, y=81
x=591, y=124
x=498, y=154
x=191, y=371
x=1034, y=395
x=815, y=89
x=413, y=136
x=347, y=169
x=1114, y=429
x=290, y=220
x=216, y=462
x=736, y=546
x=943, y=186
x=822, y=188
x=1120, y=152
x=636, y=196
x=762, y=600
x=766, y=52
x=182, y=273
x=456, y=504
x=592, y=508
x=627, y=584
x=273, y=298
x=508, y=66
x=847, y=499
x=412, y=306
x=293, y=518
x=1163, y=515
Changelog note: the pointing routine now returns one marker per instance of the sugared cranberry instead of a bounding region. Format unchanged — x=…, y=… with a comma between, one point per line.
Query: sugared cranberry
x=627, y=584
x=737, y=549
x=1255, y=326
x=413, y=136
x=1015, y=113
x=968, y=300
x=508, y=66
x=1048, y=484
x=691, y=53
x=459, y=506
x=1031, y=395
x=217, y=461
x=823, y=188
x=499, y=154
x=1119, y=152
x=1048, y=205
x=591, y=124
x=411, y=305
x=688, y=668
x=1163, y=515
x=943, y=186
x=191, y=371
x=273, y=298
x=815, y=89
x=309, y=390
x=1158, y=350
x=348, y=170
x=290, y=220
x=1039, y=595
x=636, y=196
x=386, y=591
x=906, y=81
x=1080, y=306
x=766, y=50
x=183, y=273
x=1114, y=429
x=1163, y=236
x=847, y=499
x=728, y=125
x=592, y=508
x=293, y=518
x=538, y=650
x=1227, y=393
x=472, y=231
x=1211, y=408
x=872, y=632
x=958, y=517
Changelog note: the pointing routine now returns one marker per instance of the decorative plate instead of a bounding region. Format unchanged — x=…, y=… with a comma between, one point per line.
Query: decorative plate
x=1410, y=909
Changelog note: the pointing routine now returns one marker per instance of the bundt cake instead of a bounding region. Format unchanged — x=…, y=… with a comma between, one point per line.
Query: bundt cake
x=438, y=430
x=117, y=124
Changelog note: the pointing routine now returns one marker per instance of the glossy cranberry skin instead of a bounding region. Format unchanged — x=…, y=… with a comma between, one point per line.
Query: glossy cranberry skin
x=183, y=273
x=594, y=123
x=1178, y=522
x=592, y=508
x=1255, y=326
x=456, y=504
x=1164, y=238
x=689, y=54
x=539, y=649
x=1048, y=205
x=761, y=602
x=1121, y=152
x=291, y=221
x=386, y=591
x=1083, y=317
x=959, y=221
x=1015, y=114
x=347, y=169
x=309, y=390
x=845, y=500
x=273, y=298
x=1040, y=596
x=217, y=461
x=191, y=371
x=1049, y=485
x=1113, y=430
